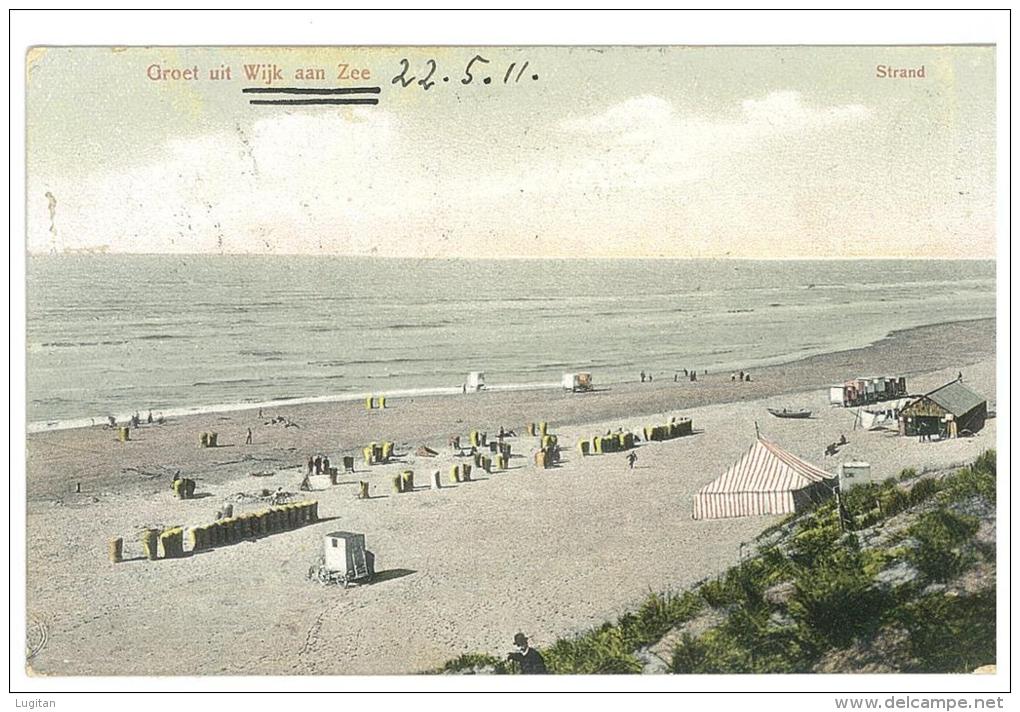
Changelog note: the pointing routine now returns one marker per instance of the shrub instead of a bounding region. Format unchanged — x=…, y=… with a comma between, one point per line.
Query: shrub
x=978, y=479
x=951, y=634
x=940, y=535
x=657, y=616
x=690, y=656
x=715, y=652
x=908, y=473
x=923, y=490
x=472, y=662
x=812, y=543
x=601, y=651
x=744, y=583
x=715, y=593
x=836, y=599
x=985, y=462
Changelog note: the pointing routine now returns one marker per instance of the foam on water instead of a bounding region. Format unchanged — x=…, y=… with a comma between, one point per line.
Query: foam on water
x=190, y=334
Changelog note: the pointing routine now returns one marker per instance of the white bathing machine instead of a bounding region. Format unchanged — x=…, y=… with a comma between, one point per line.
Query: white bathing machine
x=475, y=381
x=344, y=554
x=576, y=382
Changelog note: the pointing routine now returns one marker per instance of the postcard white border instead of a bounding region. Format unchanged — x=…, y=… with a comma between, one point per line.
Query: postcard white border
x=457, y=27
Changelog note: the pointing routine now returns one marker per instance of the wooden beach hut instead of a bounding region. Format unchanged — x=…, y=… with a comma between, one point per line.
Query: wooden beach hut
x=946, y=411
x=765, y=480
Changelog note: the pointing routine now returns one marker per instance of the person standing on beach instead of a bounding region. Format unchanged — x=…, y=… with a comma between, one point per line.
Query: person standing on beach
x=528, y=658
x=642, y=376
x=247, y=440
x=631, y=459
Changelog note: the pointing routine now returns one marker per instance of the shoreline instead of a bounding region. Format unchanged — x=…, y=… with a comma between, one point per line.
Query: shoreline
x=57, y=460
x=45, y=426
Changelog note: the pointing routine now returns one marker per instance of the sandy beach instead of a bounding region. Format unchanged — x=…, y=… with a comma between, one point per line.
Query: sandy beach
x=549, y=552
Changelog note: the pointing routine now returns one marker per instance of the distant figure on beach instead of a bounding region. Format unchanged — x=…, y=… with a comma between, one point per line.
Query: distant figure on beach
x=676, y=377
x=733, y=376
x=247, y=440
x=642, y=376
x=528, y=658
x=649, y=378
x=318, y=465
x=959, y=376
x=747, y=377
x=463, y=388
x=260, y=412
x=685, y=373
x=694, y=376
x=842, y=439
x=325, y=465
x=149, y=419
x=741, y=375
x=311, y=464
x=631, y=459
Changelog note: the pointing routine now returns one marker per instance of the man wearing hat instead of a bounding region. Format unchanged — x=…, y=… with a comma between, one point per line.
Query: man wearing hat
x=528, y=658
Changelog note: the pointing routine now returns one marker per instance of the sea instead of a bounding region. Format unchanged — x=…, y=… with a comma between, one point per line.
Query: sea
x=119, y=334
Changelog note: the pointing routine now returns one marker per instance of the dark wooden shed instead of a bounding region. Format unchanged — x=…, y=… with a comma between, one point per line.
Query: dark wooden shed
x=946, y=411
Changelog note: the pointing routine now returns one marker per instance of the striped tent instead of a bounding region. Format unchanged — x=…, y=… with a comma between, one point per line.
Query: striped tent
x=766, y=480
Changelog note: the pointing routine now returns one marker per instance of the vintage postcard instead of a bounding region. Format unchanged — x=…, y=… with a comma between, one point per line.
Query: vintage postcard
x=511, y=360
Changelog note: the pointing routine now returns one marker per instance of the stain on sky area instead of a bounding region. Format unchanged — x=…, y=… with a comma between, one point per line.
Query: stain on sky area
x=51, y=205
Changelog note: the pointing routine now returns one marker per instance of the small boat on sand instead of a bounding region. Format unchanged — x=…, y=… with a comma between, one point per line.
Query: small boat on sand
x=784, y=413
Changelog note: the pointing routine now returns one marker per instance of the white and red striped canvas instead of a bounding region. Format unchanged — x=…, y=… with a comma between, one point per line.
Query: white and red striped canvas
x=763, y=481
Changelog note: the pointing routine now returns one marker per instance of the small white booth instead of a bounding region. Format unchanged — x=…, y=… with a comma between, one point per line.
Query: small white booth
x=344, y=553
x=854, y=473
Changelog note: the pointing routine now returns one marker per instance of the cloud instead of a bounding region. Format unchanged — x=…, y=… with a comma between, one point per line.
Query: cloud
x=786, y=110
x=647, y=141
x=285, y=183
x=635, y=114
x=648, y=118
x=643, y=176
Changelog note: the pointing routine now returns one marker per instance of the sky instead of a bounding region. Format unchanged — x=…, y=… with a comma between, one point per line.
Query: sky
x=747, y=152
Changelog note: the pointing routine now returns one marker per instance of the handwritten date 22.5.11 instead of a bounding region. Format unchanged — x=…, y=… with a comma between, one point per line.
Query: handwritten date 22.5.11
x=477, y=70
